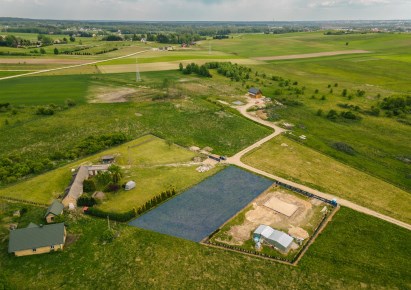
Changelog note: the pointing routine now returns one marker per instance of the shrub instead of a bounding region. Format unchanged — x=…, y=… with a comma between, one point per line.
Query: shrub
x=89, y=186
x=86, y=201
x=332, y=115
x=343, y=147
x=112, y=187
x=120, y=217
x=70, y=103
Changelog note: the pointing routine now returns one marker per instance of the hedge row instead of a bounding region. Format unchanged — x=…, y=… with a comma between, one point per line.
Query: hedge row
x=124, y=217
x=120, y=217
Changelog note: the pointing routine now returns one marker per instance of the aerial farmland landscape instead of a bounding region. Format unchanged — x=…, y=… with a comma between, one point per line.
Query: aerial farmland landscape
x=205, y=144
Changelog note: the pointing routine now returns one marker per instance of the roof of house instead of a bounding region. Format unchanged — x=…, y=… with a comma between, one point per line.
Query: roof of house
x=254, y=91
x=107, y=157
x=35, y=236
x=55, y=208
x=76, y=188
x=271, y=234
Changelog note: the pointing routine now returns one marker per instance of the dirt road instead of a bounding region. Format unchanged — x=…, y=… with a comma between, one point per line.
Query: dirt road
x=310, y=55
x=72, y=66
x=236, y=160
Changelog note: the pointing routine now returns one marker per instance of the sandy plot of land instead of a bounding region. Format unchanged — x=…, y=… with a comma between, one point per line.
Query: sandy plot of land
x=171, y=65
x=280, y=206
x=261, y=214
x=42, y=61
x=111, y=95
x=310, y=55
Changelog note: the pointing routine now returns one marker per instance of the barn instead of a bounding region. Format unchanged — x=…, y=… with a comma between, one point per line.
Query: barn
x=268, y=235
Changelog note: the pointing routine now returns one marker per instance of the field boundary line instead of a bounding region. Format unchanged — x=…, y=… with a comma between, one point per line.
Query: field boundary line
x=74, y=66
x=11, y=199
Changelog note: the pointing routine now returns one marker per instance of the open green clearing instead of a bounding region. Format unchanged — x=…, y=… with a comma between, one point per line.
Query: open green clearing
x=187, y=121
x=145, y=161
x=314, y=169
x=350, y=253
x=255, y=45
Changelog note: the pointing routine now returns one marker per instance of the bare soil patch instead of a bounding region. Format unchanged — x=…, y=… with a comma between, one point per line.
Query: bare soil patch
x=261, y=214
x=311, y=55
x=111, y=95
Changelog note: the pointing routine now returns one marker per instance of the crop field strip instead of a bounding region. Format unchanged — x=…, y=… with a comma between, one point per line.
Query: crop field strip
x=196, y=213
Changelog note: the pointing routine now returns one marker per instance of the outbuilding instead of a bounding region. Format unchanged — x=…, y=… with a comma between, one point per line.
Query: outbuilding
x=278, y=239
x=37, y=239
x=55, y=209
x=130, y=185
x=107, y=159
x=255, y=93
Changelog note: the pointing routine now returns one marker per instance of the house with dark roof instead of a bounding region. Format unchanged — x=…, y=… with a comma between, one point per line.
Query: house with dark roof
x=255, y=93
x=55, y=209
x=37, y=239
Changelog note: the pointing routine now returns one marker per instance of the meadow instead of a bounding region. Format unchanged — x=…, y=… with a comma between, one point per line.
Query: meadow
x=188, y=120
x=351, y=253
x=301, y=164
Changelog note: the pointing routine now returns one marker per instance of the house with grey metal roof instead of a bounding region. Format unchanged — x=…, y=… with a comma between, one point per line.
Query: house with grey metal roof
x=55, y=209
x=37, y=239
x=278, y=239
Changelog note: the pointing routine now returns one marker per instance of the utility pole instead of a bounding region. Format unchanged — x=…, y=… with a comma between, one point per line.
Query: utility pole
x=138, y=77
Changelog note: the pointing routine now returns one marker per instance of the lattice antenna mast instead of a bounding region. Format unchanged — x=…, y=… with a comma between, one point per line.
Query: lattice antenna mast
x=138, y=77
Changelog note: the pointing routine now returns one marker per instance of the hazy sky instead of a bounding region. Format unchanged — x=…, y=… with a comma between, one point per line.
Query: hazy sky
x=226, y=10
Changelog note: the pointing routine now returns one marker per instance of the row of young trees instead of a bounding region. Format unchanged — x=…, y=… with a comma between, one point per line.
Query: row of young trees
x=126, y=216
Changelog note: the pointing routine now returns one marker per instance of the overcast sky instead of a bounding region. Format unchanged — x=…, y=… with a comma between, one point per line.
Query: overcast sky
x=225, y=10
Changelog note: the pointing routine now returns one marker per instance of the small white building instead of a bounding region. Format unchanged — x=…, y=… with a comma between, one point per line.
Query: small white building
x=130, y=185
x=278, y=239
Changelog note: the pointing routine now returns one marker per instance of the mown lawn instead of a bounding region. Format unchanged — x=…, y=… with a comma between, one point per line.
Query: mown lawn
x=39, y=90
x=141, y=159
x=351, y=253
x=289, y=159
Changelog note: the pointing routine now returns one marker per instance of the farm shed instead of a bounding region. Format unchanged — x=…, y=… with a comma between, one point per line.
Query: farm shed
x=278, y=239
x=55, y=209
x=130, y=185
x=255, y=93
x=37, y=239
x=107, y=159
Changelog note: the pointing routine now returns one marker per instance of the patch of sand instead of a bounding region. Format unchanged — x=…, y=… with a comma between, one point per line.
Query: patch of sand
x=260, y=214
x=112, y=95
x=310, y=55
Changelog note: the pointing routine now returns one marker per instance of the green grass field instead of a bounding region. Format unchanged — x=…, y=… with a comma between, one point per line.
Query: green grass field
x=146, y=160
x=351, y=253
x=304, y=165
x=256, y=45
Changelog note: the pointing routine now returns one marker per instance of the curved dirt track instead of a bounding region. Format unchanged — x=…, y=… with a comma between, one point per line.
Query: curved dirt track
x=236, y=160
x=310, y=55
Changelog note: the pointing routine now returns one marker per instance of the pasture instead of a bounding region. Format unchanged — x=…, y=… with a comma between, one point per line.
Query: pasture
x=289, y=159
x=350, y=253
x=196, y=213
